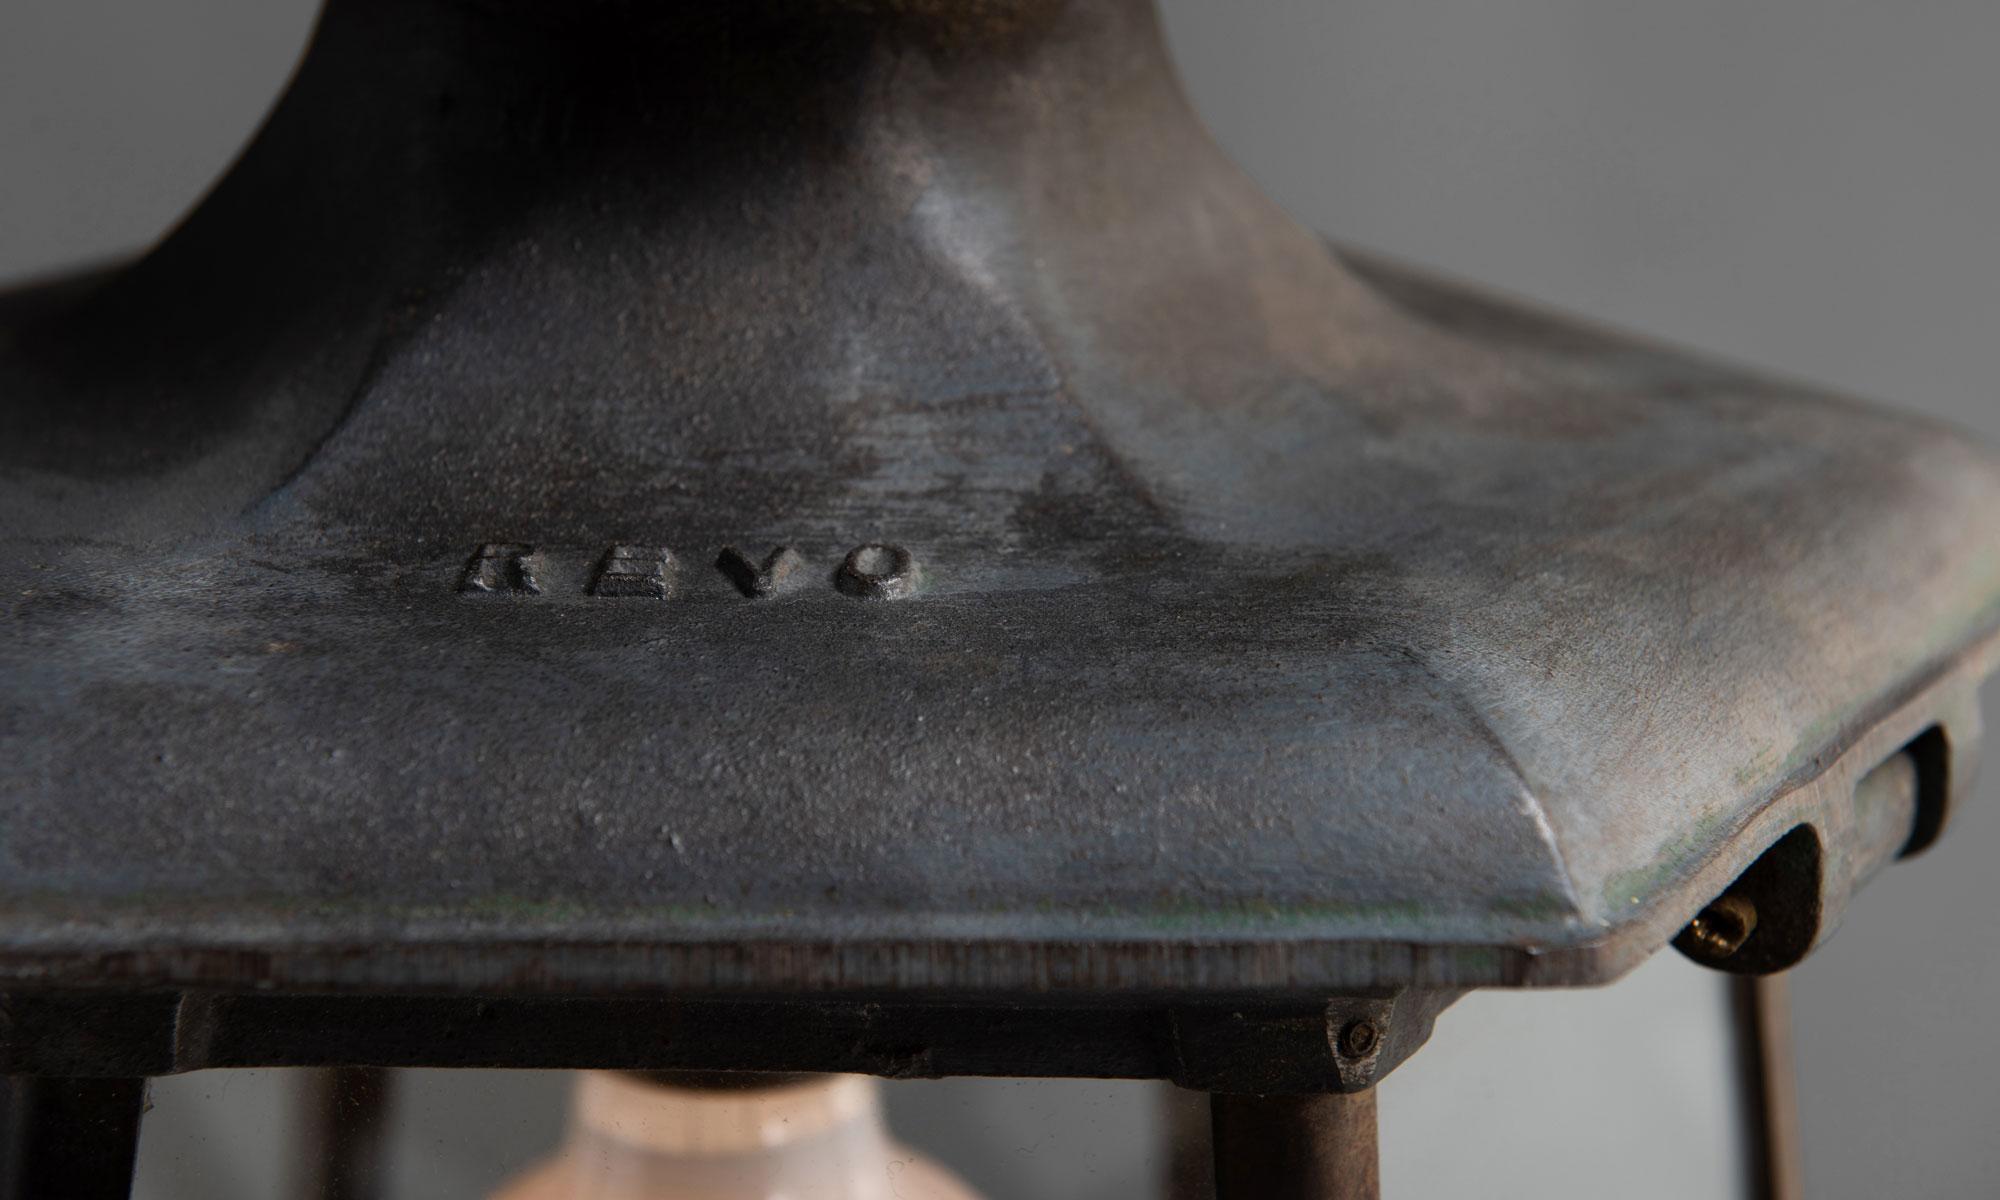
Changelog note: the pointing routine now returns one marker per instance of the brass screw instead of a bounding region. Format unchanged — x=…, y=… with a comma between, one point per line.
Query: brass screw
x=1359, y=1039
x=1723, y=926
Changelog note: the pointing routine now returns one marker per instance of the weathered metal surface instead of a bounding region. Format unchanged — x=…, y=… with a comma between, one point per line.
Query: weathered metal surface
x=1174, y=604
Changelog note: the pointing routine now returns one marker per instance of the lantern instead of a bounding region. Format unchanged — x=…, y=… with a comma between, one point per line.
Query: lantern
x=843, y=536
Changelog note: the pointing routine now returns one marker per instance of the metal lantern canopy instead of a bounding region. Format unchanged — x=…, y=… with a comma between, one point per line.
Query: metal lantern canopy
x=845, y=536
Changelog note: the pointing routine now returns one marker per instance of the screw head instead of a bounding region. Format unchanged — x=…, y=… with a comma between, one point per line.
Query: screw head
x=1722, y=928
x=1359, y=1039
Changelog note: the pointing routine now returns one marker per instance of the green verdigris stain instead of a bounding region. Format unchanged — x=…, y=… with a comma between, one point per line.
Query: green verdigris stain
x=1675, y=861
x=1762, y=767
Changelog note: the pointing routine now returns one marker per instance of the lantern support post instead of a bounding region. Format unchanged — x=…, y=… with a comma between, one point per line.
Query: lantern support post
x=347, y=1133
x=69, y=1136
x=1296, y=1147
x=1762, y=1016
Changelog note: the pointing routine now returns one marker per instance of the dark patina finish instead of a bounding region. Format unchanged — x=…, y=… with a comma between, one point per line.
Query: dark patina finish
x=862, y=513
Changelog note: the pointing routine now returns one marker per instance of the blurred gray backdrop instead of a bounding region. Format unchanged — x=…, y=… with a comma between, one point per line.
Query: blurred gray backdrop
x=1807, y=185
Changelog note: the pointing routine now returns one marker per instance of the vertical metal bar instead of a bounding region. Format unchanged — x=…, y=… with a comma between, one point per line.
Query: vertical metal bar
x=347, y=1133
x=1770, y=1087
x=1189, y=1152
x=69, y=1137
x=1314, y=1147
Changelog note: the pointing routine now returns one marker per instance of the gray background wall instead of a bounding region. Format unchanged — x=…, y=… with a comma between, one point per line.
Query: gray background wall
x=1807, y=185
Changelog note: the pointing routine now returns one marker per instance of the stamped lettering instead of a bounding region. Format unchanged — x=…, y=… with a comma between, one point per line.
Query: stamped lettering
x=878, y=571
x=501, y=567
x=874, y=571
x=634, y=571
x=755, y=579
